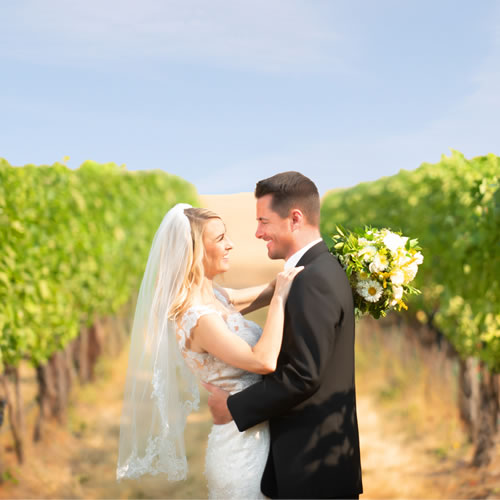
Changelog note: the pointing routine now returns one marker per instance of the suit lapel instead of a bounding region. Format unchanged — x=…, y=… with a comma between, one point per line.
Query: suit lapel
x=312, y=253
x=306, y=259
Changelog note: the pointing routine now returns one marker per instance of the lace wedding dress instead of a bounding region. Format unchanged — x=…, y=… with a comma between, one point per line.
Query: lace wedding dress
x=234, y=460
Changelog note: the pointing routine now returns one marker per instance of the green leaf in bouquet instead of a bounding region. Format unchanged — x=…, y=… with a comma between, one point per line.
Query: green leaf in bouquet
x=413, y=290
x=340, y=230
x=352, y=239
x=413, y=244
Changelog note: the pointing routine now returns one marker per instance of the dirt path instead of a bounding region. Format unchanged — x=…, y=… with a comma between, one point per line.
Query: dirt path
x=391, y=468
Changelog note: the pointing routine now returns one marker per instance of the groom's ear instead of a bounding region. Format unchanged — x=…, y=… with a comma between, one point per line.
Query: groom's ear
x=296, y=218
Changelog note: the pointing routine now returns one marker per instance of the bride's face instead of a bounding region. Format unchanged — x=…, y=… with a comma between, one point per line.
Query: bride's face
x=217, y=245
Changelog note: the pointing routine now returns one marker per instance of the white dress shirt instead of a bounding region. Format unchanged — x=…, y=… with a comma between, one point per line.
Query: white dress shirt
x=292, y=261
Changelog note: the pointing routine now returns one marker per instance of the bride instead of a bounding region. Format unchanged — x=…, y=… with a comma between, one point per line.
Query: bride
x=186, y=328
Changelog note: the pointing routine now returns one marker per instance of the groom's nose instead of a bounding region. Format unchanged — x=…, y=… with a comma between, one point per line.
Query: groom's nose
x=259, y=233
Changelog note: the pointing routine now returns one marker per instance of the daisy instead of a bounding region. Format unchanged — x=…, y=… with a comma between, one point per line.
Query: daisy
x=370, y=290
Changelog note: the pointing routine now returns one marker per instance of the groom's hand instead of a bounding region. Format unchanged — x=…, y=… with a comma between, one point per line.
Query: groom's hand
x=217, y=403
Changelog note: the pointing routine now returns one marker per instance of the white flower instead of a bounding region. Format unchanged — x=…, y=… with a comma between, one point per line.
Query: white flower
x=379, y=263
x=397, y=277
x=401, y=258
x=418, y=258
x=370, y=290
x=393, y=241
x=367, y=252
x=410, y=271
x=397, y=294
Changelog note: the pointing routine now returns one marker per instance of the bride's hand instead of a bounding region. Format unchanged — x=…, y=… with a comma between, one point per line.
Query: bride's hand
x=284, y=282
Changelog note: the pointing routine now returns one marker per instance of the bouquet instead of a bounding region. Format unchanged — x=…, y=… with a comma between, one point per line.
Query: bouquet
x=380, y=265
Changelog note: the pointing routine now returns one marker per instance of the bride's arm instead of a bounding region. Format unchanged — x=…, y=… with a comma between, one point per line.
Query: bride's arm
x=212, y=334
x=249, y=299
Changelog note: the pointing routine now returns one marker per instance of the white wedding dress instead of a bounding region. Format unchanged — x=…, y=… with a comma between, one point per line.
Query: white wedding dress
x=235, y=460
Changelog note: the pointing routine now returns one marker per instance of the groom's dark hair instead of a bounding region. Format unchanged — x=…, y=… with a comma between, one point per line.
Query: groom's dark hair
x=289, y=190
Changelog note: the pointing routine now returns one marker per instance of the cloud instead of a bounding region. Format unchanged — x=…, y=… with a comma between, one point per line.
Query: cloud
x=258, y=35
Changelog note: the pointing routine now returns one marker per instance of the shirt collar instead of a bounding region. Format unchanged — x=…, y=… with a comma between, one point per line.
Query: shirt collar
x=294, y=259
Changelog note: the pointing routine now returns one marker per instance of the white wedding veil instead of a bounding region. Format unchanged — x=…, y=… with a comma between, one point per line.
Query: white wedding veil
x=160, y=390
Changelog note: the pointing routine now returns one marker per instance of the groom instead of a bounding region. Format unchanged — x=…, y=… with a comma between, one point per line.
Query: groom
x=310, y=399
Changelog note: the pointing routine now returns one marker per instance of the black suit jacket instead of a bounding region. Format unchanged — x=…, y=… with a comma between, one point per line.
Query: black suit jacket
x=310, y=399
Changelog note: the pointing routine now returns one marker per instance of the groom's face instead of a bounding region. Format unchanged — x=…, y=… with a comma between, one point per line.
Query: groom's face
x=273, y=229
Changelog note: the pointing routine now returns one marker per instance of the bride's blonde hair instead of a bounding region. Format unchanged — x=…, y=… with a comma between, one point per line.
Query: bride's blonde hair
x=198, y=217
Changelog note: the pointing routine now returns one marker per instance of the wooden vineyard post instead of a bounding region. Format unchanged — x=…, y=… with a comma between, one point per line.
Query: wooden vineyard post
x=15, y=408
x=488, y=410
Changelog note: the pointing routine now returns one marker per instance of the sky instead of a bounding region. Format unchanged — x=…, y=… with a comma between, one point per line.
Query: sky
x=227, y=92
